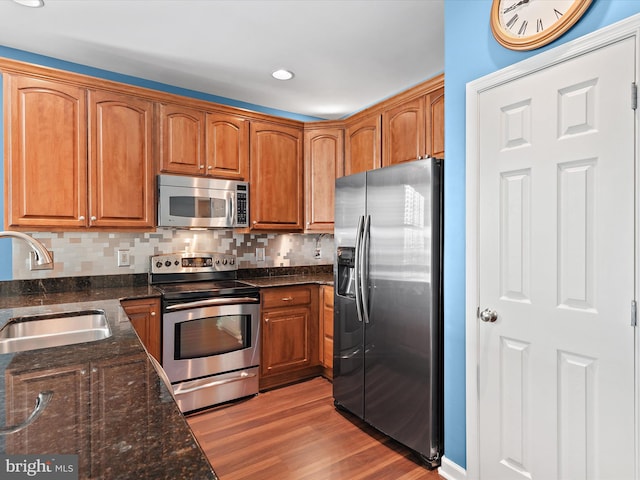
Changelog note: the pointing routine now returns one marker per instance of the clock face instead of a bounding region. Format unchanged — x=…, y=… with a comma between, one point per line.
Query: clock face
x=529, y=24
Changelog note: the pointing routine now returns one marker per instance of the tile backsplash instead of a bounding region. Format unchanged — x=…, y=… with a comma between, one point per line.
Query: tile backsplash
x=96, y=253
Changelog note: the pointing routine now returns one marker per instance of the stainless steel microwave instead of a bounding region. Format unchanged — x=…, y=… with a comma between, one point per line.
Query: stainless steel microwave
x=199, y=202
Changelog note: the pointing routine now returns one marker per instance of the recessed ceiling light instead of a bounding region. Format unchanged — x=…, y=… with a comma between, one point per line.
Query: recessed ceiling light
x=30, y=3
x=282, y=74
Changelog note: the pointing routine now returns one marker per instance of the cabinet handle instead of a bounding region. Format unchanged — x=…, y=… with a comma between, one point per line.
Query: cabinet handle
x=81, y=218
x=286, y=299
x=42, y=401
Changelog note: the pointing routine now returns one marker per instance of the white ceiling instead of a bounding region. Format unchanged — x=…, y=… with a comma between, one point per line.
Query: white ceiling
x=346, y=54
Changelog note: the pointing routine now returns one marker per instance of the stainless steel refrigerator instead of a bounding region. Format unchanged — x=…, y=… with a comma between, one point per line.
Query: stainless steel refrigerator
x=388, y=348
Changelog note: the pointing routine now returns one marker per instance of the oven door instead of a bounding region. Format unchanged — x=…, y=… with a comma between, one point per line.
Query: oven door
x=200, y=340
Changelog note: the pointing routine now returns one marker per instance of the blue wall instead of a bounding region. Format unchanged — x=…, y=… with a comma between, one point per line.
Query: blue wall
x=472, y=52
x=6, y=52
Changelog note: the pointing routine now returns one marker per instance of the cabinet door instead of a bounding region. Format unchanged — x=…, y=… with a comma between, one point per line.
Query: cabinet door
x=120, y=409
x=144, y=314
x=182, y=133
x=285, y=340
x=323, y=163
x=227, y=146
x=403, y=130
x=435, y=123
x=46, y=135
x=327, y=320
x=276, y=195
x=68, y=411
x=122, y=192
x=362, y=145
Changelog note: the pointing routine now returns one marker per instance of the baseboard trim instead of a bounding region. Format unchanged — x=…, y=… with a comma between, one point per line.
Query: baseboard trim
x=451, y=471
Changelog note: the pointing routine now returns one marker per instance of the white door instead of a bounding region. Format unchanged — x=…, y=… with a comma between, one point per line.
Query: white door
x=556, y=264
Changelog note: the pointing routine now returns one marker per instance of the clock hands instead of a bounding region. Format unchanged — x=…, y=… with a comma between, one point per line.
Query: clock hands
x=515, y=5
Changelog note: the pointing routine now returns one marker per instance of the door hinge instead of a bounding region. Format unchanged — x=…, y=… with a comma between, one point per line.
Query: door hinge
x=634, y=96
x=634, y=313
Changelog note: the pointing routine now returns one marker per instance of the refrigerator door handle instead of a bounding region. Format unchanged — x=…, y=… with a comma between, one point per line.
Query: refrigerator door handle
x=357, y=268
x=364, y=269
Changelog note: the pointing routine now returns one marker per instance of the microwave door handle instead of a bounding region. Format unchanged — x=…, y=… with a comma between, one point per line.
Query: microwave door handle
x=231, y=214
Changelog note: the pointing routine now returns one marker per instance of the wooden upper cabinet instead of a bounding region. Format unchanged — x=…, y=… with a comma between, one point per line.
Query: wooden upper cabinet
x=77, y=158
x=323, y=163
x=227, y=146
x=195, y=142
x=435, y=123
x=362, y=145
x=122, y=182
x=276, y=193
x=182, y=131
x=45, y=153
x=403, y=128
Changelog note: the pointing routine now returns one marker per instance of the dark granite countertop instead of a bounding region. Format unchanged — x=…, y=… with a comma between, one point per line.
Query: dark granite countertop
x=287, y=280
x=109, y=404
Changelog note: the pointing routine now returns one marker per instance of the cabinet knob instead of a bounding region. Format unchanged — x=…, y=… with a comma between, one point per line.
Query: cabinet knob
x=93, y=218
x=153, y=314
x=209, y=167
x=254, y=222
x=201, y=166
x=83, y=372
x=81, y=218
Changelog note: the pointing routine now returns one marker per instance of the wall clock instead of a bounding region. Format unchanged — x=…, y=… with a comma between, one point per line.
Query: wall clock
x=530, y=24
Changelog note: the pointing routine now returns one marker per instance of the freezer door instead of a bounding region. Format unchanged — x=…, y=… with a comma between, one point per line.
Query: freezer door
x=403, y=337
x=348, y=335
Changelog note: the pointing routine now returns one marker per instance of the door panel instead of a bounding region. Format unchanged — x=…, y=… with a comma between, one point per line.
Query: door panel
x=556, y=262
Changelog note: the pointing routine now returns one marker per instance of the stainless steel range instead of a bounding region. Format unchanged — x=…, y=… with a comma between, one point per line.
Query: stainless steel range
x=210, y=328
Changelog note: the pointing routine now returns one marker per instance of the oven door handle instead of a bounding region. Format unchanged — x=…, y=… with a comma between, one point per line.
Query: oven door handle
x=211, y=302
x=215, y=383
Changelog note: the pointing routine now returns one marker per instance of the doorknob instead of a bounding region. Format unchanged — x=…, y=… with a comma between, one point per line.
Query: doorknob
x=488, y=315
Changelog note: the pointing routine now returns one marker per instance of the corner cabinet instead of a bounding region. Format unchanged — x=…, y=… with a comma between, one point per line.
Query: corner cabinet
x=276, y=193
x=198, y=142
x=289, y=334
x=76, y=158
x=323, y=163
x=362, y=145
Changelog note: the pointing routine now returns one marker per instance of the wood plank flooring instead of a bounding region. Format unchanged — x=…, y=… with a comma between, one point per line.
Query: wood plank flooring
x=295, y=433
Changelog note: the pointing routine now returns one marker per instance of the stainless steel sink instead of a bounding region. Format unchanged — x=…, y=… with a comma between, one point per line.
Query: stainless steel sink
x=53, y=330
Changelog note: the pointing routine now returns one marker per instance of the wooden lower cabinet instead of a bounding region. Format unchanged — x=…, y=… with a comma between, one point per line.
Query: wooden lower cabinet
x=87, y=402
x=144, y=314
x=326, y=330
x=289, y=335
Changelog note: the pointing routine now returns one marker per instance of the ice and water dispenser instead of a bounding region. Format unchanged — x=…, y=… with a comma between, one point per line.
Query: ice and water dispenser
x=346, y=272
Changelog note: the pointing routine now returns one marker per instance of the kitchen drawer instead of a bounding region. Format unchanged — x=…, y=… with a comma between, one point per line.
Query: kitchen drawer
x=286, y=297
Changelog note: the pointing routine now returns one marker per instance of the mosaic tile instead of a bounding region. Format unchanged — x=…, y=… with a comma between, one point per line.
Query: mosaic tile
x=96, y=253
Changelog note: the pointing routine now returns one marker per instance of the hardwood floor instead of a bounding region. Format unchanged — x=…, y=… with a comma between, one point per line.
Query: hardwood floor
x=295, y=433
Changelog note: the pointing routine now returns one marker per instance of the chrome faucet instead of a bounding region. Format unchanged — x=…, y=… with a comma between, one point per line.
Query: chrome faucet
x=41, y=255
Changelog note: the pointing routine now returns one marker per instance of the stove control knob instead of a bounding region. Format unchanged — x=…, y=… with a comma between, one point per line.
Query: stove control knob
x=176, y=263
x=232, y=261
x=168, y=263
x=158, y=264
x=224, y=261
x=217, y=261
